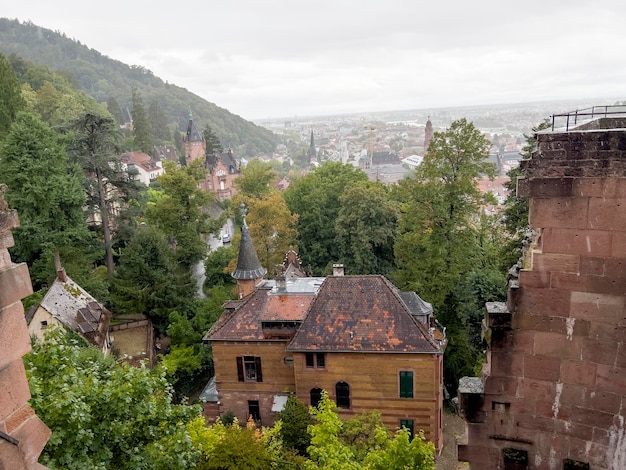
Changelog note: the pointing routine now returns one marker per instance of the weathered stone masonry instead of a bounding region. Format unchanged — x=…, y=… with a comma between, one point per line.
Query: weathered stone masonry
x=553, y=392
x=22, y=434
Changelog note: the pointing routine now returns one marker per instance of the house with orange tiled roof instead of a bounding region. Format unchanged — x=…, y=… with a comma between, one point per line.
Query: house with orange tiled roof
x=370, y=346
x=142, y=166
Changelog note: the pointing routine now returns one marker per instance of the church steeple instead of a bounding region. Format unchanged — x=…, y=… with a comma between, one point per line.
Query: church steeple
x=249, y=270
x=312, y=151
x=194, y=145
x=428, y=135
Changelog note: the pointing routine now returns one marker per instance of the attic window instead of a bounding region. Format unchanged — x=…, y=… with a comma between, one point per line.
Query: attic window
x=44, y=325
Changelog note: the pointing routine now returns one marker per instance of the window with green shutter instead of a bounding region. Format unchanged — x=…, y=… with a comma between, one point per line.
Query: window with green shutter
x=406, y=384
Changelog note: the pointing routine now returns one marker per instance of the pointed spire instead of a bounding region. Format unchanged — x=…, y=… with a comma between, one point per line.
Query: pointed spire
x=248, y=265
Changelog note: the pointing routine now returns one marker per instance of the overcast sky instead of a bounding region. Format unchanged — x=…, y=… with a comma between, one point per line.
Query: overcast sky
x=285, y=58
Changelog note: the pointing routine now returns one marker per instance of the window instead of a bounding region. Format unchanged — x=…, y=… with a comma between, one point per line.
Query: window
x=315, y=360
x=249, y=369
x=406, y=384
x=514, y=459
x=408, y=424
x=316, y=396
x=44, y=325
x=254, y=410
x=342, y=392
x=569, y=464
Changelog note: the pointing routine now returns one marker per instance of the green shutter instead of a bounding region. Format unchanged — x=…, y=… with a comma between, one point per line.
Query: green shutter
x=406, y=384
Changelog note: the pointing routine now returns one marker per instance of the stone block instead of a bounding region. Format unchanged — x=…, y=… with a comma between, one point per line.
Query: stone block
x=33, y=435
x=570, y=281
x=16, y=284
x=550, y=187
x=559, y=212
x=577, y=372
x=576, y=430
x=577, y=241
x=606, y=285
x=507, y=364
x=541, y=368
x=607, y=214
x=14, y=336
x=595, y=307
x=544, y=302
x=10, y=457
x=607, y=402
x=594, y=187
x=534, y=279
x=610, y=379
x=524, y=341
x=478, y=456
x=540, y=323
x=536, y=424
x=592, y=417
x=573, y=394
x=558, y=345
x=13, y=388
x=556, y=262
x=500, y=385
x=600, y=352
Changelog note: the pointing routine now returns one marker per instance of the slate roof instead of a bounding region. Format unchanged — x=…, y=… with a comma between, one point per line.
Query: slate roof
x=361, y=314
x=78, y=310
x=227, y=158
x=248, y=265
x=246, y=322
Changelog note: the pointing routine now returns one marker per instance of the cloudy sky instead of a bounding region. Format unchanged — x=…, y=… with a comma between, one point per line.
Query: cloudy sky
x=284, y=58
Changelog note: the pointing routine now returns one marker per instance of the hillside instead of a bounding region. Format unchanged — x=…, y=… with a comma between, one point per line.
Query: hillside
x=103, y=78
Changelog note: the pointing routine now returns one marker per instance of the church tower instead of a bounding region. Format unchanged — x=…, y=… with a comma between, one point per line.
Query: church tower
x=249, y=271
x=194, y=146
x=312, y=152
x=428, y=135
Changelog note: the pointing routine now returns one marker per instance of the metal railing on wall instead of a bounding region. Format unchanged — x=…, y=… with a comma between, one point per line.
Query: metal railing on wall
x=573, y=118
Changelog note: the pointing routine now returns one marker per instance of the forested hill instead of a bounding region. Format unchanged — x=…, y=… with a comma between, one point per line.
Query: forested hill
x=104, y=78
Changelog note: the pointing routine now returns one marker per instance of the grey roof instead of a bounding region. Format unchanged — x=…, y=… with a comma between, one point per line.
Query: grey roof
x=209, y=393
x=248, y=265
x=192, y=134
x=77, y=310
x=415, y=304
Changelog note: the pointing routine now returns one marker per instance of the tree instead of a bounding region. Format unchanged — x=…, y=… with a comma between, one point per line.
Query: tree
x=295, y=421
x=254, y=180
x=142, y=131
x=272, y=227
x=439, y=211
x=158, y=120
x=45, y=189
x=95, y=147
x=315, y=198
x=366, y=228
x=10, y=95
x=148, y=280
x=103, y=414
x=179, y=210
x=116, y=111
x=215, y=267
x=213, y=144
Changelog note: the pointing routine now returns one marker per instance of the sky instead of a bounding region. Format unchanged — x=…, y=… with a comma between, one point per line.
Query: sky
x=289, y=58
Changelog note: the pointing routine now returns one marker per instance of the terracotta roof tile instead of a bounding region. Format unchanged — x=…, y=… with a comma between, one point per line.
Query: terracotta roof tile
x=361, y=313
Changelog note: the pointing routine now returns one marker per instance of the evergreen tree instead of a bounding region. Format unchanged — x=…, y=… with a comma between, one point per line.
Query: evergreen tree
x=45, y=189
x=158, y=121
x=213, y=145
x=142, y=131
x=116, y=111
x=10, y=95
x=295, y=421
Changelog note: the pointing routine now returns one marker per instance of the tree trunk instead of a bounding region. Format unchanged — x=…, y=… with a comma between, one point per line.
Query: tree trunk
x=106, y=230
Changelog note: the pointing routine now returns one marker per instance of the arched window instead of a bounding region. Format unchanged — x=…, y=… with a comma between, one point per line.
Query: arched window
x=316, y=396
x=342, y=392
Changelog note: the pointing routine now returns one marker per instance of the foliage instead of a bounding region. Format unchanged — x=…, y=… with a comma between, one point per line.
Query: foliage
x=315, y=197
x=254, y=180
x=212, y=141
x=44, y=188
x=179, y=211
x=158, y=120
x=11, y=100
x=149, y=281
x=366, y=228
x=439, y=211
x=142, y=129
x=215, y=266
x=295, y=420
x=272, y=227
x=105, y=415
x=104, y=78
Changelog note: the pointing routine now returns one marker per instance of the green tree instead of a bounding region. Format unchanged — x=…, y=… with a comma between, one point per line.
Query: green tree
x=315, y=198
x=215, y=267
x=142, y=131
x=254, y=180
x=10, y=95
x=295, y=421
x=103, y=414
x=95, y=147
x=45, y=189
x=148, y=280
x=366, y=229
x=179, y=210
x=272, y=227
x=437, y=241
x=213, y=144
x=116, y=111
x=158, y=121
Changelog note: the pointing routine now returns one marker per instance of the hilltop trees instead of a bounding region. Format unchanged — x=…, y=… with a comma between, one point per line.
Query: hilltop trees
x=10, y=96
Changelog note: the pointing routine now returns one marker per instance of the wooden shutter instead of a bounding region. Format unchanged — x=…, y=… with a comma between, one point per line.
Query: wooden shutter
x=406, y=384
x=240, y=368
x=257, y=365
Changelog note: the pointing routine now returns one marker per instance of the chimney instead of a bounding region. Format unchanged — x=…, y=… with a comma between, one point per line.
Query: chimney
x=61, y=276
x=337, y=269
x=281, y=283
